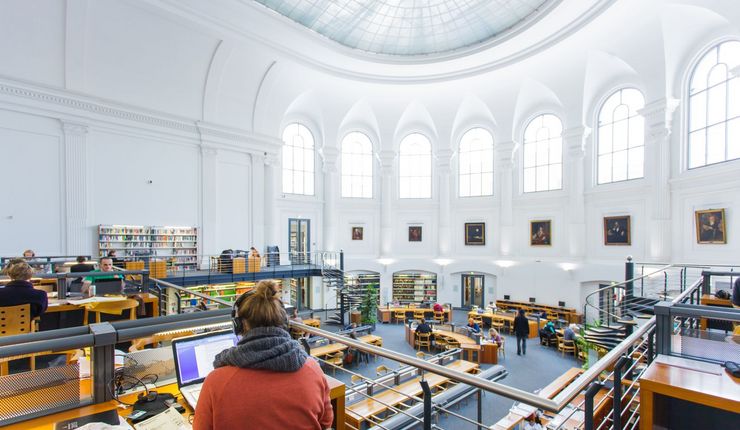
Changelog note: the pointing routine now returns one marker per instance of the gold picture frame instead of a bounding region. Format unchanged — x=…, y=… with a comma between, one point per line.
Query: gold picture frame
x=710, y=226
x=475, y=233
x=617, y=230
x=540, y=233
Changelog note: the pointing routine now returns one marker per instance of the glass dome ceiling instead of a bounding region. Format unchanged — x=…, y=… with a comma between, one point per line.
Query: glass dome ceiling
x=409, y=27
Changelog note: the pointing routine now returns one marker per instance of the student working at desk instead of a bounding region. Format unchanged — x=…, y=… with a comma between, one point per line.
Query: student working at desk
x=106, y=265
x=20, y=291
x=266, y=371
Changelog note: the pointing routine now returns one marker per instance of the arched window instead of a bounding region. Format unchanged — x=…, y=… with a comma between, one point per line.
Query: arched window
x=476, y=163
x=298, y=160
x=621, y=137
x=357, y=166
x=415, y=171
x=714, y=107
x=543, y=154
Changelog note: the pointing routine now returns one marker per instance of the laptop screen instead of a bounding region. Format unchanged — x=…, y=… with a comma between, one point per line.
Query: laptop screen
x=194, y=355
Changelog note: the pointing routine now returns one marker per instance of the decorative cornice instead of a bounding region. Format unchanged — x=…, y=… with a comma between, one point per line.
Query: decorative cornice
x=659, y=113
x=387, y=157
x=74, y=128
x=574, y=139
x=505, y=153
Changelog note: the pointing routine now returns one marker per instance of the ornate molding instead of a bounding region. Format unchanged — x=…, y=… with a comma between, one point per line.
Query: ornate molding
x=505, y=153
x=574, y=139
x=74, y=128
x=387, y=157
x=659, y=116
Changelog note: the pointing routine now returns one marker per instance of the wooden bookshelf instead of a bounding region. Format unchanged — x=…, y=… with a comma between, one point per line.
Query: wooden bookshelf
x=176, y=246
x=412, y=287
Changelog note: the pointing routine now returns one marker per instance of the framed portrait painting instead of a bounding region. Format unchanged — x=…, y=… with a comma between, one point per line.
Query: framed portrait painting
x=475, y=233
x=357, y=233
x=710, y=226
x=415, y=233
x=540, y=233
x=617, y=230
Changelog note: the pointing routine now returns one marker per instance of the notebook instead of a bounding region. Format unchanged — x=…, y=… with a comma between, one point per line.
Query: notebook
x=194, y=357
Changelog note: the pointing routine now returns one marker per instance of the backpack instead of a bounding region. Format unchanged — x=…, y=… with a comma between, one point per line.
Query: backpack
x=722, y=294
x=349, y=357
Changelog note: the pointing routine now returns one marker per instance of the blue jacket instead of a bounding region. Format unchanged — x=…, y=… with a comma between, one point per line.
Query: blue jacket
x=21, y=292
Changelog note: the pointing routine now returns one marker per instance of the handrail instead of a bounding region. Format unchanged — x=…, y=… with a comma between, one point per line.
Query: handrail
x=194, y=293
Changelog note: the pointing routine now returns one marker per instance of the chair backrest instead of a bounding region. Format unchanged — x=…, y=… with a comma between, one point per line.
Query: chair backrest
x=15, y=320
x=382, y=369
x=116, y=307
x=423, y=336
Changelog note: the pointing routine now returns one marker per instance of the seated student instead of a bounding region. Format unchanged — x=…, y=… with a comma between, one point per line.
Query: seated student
x=116, y=261
x=570, y=332
x=254, y=253
x=533, y=422
x=351, y=326
x=547, y=332
x=473, y=326
x=736, y=294
x=106, y=265
x=438, y=308
x=81, y=267
x=20, y=291
x=495, y=336
x=491, y=307
x=29, y=255
x=266, y=370
x=423, y=327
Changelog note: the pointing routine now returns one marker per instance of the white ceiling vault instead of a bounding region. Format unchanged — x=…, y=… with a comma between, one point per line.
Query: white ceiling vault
x=411, y=27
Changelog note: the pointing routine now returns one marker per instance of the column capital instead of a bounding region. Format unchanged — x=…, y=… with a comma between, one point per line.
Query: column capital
x=207, y=150
x=387, y=157
x=658, y=116
x=505, y=153
x=574, y=140
x=74, y=127
x=271, y=159
x=443, y=159
x=329, y=155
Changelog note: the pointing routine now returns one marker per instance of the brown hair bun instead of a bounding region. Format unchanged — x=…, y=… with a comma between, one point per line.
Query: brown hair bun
x=263, y=308
x=18, y=270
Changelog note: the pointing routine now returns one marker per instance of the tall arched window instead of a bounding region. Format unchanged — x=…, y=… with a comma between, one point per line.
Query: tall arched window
x=298, y=160
x=621, y=137
x=415, y=170
x=714, y=107
x=357, y=166
x=543, y=154
x=476, y=163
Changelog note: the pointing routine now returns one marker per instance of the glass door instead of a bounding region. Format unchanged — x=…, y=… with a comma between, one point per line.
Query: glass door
x=299, y=239
x=472, y=291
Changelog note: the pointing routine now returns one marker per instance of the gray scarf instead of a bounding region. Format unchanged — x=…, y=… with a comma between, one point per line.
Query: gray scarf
x=269, y=348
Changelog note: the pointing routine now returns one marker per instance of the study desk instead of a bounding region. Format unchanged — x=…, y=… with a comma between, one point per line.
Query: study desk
x=312, y=322
x=361, y=411
x=711, y=300
x=669, y=378
x=61, y=314
x=568, y=314
x=336, y=395
x=324, y=350
x=534, y=331
x=386, y=314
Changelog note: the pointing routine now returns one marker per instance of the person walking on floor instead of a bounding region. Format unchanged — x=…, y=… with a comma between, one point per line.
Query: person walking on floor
x=521, y=329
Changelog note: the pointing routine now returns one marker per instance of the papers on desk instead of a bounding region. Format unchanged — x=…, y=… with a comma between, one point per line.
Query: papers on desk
x=95, y=300
x=170, y=419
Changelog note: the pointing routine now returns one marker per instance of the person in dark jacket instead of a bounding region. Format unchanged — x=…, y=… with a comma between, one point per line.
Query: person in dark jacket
x=81, y=267
x=736, y=294
x=20, y=291
x=521, y=329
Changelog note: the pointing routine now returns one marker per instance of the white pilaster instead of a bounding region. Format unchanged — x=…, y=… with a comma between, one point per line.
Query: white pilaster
x=272, y=168
x=387, y=173
x=209, y=201
x=504, y=185
x=77, y=234
x=574, y=143
x=658, y=120
x=258, y=200
x=444, y=239
x=331, y=180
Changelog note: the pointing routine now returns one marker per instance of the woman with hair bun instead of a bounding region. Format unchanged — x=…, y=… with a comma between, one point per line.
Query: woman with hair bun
x=20, y=291
x=267, y=381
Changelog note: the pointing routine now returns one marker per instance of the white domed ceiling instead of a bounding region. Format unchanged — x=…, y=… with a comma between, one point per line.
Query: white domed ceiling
x=411, y=27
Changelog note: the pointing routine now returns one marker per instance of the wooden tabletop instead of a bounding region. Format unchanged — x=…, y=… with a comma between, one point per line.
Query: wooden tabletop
x=360, y=411
x=63, y=305
x=553, y=388
x=460, y=338
x=711, y=300
x=312, y=322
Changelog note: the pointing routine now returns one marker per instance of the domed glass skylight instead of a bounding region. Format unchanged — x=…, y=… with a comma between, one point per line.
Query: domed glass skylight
x=409, y=27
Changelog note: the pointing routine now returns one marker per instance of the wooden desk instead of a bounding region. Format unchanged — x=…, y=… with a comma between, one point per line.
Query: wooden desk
x=324, y=350
x=386, y=314
x=711, y=300
x=360, y=411
x=689, y=380
x=372, y=340
x=312, y=322
x=534, y=331
x=568, y=314
x=553, y=388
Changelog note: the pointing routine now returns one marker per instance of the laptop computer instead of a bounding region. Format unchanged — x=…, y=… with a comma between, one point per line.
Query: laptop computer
x=194, y=357
x=109, y=287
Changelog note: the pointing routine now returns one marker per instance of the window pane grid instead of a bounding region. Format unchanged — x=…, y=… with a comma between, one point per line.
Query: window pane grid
x=415, y=167
x=298, y=160
x=543, y=154
x=357, y=166
x=621, y=137
x=476, y=163
x=713, y=108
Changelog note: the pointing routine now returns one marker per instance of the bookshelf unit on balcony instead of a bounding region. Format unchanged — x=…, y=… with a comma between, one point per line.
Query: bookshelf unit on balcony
x=414, y=287
x=178, y=246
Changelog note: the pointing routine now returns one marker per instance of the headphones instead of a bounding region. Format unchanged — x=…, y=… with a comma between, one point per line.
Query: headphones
x=237, y=324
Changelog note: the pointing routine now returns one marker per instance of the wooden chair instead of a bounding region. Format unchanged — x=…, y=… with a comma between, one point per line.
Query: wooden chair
x=440, y=342
x=16, y=320
x=419, y=314
x=439, y=317
x=143, y=342
x=399, y=316
x=114, y=308
x=452, y=344
x=412, y=305
x=381, y=370
x=420, y=355
x=498, y=324
x=568, y=346
x=424, y=339
x=552, y=316
x=337, y=359
x=356, y=379
x=478, y=320
x=501, y=349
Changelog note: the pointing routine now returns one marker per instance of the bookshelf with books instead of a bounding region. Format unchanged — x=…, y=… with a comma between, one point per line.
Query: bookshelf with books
x=227, y=292
x=178, y=246
x=357, y=282
x=414, y=287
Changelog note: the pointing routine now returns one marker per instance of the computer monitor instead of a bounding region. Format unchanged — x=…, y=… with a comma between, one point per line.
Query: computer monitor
x=507, y=297
x=194, y=355
x=561, y=304
x=110, y=287
x=532, y=300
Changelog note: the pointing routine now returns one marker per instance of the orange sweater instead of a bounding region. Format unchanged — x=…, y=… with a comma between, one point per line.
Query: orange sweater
x=237, y=398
